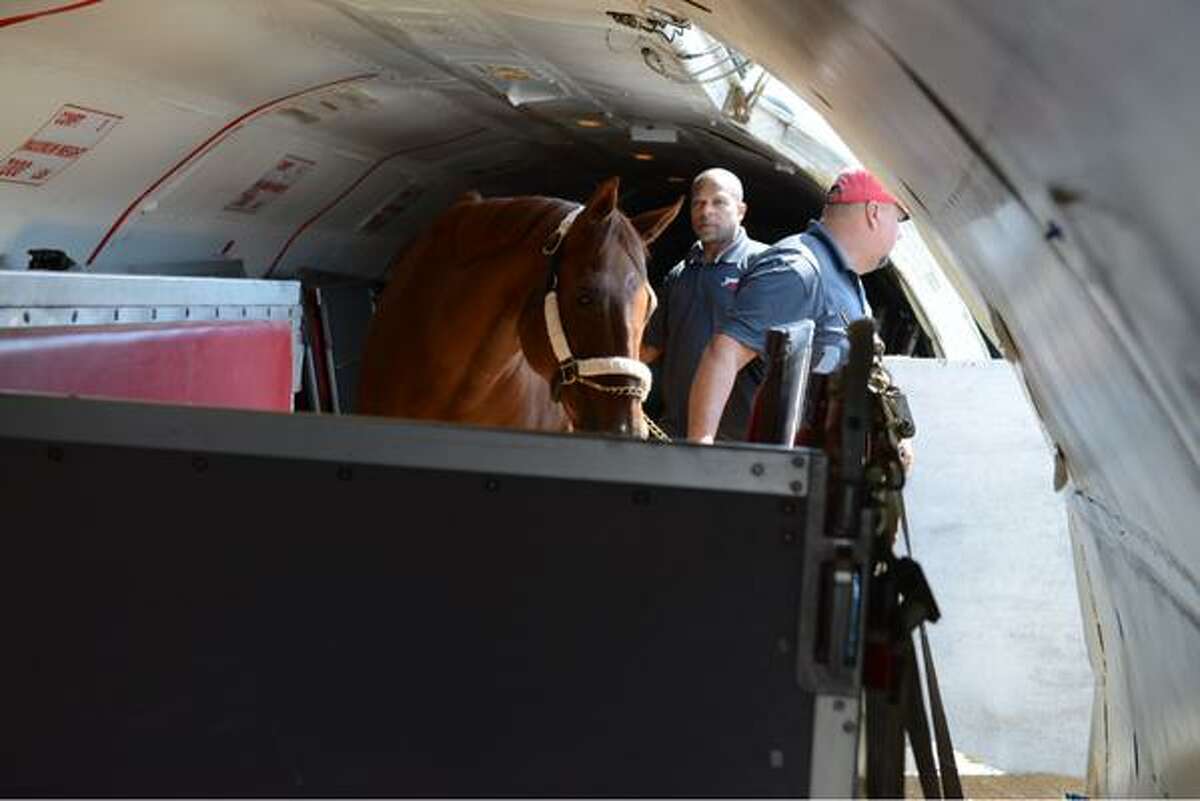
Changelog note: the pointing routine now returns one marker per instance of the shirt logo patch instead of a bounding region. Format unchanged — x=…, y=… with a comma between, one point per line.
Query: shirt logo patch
x=731, y=282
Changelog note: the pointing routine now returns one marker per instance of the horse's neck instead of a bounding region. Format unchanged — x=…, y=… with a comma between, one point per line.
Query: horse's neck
x=491, y=284
x=444, y=343
x=502, y=277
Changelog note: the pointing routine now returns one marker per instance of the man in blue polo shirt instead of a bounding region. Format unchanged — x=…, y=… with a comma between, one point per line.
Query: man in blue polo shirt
x=814, y=275
x=697, y=295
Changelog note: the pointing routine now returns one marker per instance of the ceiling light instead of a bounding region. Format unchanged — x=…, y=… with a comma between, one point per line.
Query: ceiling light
x=589, y=122
x=507, y=72
x=644, y=156
x=676, y=179
x=663, y=134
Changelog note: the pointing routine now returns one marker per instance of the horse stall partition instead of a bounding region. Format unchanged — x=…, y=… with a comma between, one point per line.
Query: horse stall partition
x=501, y=614
x=337, y=314
x=202, y=341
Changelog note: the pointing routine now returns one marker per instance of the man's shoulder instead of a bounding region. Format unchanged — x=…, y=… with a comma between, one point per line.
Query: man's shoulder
x=754, y=247
x=795, y=252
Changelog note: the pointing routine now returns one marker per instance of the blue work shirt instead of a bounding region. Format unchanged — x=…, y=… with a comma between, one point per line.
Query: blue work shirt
x=695, y=300
x=801, y=277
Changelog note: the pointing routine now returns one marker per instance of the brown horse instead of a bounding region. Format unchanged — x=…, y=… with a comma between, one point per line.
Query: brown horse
x=521, y=312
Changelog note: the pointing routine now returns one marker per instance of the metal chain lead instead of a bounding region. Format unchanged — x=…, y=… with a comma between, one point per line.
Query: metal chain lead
x=655, y=431
x=626, y=392
x=622, y=391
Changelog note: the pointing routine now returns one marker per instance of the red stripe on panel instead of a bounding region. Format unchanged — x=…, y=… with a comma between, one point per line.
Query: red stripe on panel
x=32, y=15
x=379, y=163
x=208, y=144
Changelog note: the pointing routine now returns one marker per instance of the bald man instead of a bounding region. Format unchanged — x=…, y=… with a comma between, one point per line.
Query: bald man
x=814, y=275
x=696, y=297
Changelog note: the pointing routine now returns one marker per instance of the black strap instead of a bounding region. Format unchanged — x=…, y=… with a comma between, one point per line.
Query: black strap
x=918, y=727
x=951, y=784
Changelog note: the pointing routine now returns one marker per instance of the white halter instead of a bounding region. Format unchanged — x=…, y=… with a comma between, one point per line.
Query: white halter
x=572, y=370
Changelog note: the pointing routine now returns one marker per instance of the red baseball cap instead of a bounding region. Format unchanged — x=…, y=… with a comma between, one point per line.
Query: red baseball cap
x=860, y=186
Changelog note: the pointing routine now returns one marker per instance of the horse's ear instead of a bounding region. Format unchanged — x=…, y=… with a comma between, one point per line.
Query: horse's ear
x=652, y=223
x=470, y=196
x=603, y=201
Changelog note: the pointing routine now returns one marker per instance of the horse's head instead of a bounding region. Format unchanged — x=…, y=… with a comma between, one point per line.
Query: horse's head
x=582, y=331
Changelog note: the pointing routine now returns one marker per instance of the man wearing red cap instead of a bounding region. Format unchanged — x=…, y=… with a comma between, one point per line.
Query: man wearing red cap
x=814, y=275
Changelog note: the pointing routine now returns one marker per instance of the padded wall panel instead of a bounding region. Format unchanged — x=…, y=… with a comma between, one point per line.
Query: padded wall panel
x=233, y=364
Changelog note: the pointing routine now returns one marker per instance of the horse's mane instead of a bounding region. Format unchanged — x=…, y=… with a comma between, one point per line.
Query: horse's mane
x=508, y=222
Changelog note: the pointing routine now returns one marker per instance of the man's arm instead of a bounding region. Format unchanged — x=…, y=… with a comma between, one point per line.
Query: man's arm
x=719, y=366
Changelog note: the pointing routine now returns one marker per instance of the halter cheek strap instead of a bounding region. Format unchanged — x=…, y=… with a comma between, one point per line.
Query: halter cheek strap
x=560, y=233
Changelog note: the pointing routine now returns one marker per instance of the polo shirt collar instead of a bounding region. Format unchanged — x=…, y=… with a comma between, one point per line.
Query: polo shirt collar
x=839, y=257
x=728, y=254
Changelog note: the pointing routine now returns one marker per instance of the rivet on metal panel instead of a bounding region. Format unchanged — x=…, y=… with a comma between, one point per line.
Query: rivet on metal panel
x=756, y=469
x=345, y=473
x=788, y=507
x=849, y=726
x=797, y=487
x=838, y=705
x=54, y=453
x=776, y=758
x=800, y=462
x=788, y=537
x=199, y=464
x=491, y=485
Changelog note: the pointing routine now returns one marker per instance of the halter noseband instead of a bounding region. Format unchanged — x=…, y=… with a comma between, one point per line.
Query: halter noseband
x=581, y=371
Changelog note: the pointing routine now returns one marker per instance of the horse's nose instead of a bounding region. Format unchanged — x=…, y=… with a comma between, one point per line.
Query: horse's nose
x=637, y=430
x=623, y=420
x=626, y=427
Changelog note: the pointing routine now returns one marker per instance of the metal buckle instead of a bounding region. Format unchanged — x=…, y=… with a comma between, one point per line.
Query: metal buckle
x=568, y=372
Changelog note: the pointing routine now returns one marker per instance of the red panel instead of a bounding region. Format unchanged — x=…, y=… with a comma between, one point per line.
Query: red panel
x=244, y=365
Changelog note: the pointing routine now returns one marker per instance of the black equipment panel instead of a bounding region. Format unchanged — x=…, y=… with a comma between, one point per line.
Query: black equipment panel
x=207, y=624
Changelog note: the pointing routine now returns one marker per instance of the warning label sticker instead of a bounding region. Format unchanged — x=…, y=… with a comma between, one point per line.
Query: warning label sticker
x=390, y=210
x=277, y=180
x=70, y=133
